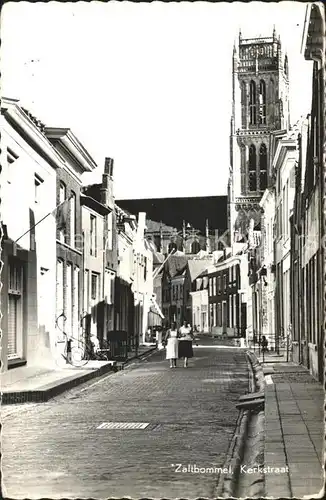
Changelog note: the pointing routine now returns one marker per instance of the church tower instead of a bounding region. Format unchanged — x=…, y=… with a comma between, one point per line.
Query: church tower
x=260, y=105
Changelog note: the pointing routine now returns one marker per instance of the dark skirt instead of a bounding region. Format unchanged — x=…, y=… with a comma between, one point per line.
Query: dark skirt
x=185, y=349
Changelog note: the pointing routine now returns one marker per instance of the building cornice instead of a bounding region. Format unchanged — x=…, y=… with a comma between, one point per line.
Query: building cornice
x=224, y=265
x=20, y=121
x=314, y=34
x=98, y=207
x=283, y=147
x=268, y=193
x=126, y=237
x=70, y=143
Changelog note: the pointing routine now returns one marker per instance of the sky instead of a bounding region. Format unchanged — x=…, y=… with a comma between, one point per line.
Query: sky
x=147, y=84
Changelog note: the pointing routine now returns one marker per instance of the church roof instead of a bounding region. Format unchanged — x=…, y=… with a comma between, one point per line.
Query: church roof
x=195, y=210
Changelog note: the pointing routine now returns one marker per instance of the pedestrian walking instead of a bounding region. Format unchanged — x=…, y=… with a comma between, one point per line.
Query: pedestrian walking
x=171, y=342
x=185, y=343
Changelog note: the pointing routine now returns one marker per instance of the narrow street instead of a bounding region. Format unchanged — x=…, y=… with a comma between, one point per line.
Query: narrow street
x=55, y=449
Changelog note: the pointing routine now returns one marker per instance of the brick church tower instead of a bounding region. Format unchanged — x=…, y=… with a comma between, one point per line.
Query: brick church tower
x=260, y=106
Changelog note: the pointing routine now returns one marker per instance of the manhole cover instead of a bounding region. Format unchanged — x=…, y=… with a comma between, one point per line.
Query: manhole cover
x=123, y=425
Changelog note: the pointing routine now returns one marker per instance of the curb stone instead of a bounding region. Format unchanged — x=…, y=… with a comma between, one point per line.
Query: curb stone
x=54, y=389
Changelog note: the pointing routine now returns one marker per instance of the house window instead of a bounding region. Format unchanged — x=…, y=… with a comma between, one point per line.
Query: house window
x=262, y=102
x=219, y=283
x=230, y=311
x=252, y=168
x=224, y=282
x=59, y=289
x=93, y=235
x=11, y=158
x=15, y=310
x=94, y=290
x=61, y=222
x=214, y=286
x=210, y=287
x=68, y=308
x=73, y=219
x=86, y=290
x=214, y=314
x=235, y=319
x=219, y=314
x=263, y=167
x=75, y=316
x=252, y=103
x=37, y=183
x=145, y=268
x=109, y=242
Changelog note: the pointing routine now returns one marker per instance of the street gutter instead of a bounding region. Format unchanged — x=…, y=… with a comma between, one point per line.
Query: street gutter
x=246, y=446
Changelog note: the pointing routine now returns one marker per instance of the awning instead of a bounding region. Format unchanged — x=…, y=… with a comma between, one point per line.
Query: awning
x=155, y=308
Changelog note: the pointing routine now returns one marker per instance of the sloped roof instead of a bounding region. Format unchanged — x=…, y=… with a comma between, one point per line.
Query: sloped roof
x=154, y=226
x=197, y=266
x=176, y=265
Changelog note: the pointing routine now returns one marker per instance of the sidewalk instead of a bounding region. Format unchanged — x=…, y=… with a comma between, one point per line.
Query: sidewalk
x=294, y=430
x=39, y=384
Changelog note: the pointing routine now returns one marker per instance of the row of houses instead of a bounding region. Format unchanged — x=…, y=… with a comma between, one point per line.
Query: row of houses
x=286, y=265
x=204, y=290
x=74, y=264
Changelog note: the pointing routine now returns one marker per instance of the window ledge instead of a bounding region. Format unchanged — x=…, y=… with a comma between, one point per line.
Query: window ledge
x=16, y=363
x=69, y=247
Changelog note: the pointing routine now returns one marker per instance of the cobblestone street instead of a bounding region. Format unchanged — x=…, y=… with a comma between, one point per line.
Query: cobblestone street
x=55, y=450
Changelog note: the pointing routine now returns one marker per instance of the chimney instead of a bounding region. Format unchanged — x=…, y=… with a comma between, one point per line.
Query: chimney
x=141, y=225
x=107, y=184
x=108, y=167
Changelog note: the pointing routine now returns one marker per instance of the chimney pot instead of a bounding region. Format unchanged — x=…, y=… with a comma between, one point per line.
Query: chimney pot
x=108, y=166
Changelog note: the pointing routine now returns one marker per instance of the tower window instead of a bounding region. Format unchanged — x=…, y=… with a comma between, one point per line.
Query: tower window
x=244, y=104
x=286, y=66
x=262, y=102
x=263, y=167
x=252, y=169
x=195, y=247
x=252, y=103
x=243, y=93
x=272, y=90
x=172, y=246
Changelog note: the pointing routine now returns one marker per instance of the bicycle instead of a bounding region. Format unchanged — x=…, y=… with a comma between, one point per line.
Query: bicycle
x=76, y=355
